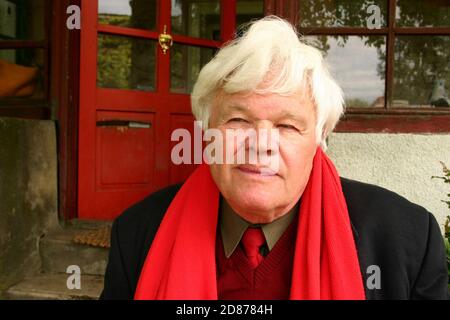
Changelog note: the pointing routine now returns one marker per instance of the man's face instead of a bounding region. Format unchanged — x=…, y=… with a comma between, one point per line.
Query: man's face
x=255, y=196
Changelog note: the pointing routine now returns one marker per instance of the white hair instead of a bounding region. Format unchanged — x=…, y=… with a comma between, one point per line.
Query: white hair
x=270, y=48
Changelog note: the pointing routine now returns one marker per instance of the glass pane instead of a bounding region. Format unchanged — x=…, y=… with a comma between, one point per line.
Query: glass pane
x=22, y=19
x=341, y=13
x=139, y=14
x=21, y=73
x=247, y=10
x=421, y=71
x=358, y=65
x=419, y=13
x=126, y=63
x=186, y=62
x=196, y=18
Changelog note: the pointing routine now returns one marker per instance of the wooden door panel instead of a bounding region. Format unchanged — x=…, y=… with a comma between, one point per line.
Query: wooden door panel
x=124, y=150
x=179, y=173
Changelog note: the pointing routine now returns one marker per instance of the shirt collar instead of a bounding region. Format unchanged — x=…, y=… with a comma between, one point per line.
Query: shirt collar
x=232, y=227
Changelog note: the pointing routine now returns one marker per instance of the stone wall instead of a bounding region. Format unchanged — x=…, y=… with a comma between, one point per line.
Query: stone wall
x=28, y=194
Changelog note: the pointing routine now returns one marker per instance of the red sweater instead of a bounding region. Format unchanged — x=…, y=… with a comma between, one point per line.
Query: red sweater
x=271, y=280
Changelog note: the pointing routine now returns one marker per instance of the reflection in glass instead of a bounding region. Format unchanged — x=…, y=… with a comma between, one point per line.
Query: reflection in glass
x=421, y=71
x=126, y=63
x=21, y=73
x=196, y=18
x=358, y=65
x=338, y=13
x=248, y=10
x=22, y=19
x=419, y=13
x=139, y=14
x=186, y=62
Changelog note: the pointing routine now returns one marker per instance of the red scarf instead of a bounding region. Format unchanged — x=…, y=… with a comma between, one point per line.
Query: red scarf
x=181, y=262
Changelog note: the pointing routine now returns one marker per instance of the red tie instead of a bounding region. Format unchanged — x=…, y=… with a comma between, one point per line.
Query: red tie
x=252, y=240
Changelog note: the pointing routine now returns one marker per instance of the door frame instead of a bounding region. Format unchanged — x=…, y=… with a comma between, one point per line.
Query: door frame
x=64, y=93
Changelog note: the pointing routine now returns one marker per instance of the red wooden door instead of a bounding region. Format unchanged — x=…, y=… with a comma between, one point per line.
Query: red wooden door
x=133, y=95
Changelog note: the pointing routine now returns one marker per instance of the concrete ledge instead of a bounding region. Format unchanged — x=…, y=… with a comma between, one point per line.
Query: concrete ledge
x=54, y=287
x=58, y=251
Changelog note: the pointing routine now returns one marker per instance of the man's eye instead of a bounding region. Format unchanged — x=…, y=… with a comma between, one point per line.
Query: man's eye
x=287, y=126
x=237, y=120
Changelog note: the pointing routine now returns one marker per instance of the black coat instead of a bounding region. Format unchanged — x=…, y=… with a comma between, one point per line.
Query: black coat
x=400, y=237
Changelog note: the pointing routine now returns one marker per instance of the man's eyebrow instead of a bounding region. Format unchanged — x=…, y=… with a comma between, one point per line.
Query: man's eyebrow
x=235, y=107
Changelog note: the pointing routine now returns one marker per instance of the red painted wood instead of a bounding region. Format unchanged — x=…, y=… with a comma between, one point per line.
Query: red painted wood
x=179, y=173
x=87, y=197
x=228, y=25
x=269, y=7
x=64, y=84
x=120, y=166
x=123, y=31
x=394, y=123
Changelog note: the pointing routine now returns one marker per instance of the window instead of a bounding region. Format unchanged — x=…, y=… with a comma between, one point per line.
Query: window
x=24, y=52
x=247, y=10
x=393, y=70
x=196, y=19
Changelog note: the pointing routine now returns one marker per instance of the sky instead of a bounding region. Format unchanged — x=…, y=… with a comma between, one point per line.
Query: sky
x=114, y=7
x=355, y=68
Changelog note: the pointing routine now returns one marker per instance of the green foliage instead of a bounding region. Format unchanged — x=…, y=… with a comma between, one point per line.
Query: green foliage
x=125, y=62
x=446, y=179
x=357, y=103
x=447, y=244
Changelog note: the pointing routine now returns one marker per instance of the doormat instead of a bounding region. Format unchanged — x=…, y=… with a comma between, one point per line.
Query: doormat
x=95, y=238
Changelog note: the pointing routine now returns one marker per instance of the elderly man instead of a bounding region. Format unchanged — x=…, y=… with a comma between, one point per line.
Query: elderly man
x=251, y=231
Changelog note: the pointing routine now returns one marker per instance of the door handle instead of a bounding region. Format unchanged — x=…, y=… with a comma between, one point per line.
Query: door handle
x=124, y=123
x=165, y=40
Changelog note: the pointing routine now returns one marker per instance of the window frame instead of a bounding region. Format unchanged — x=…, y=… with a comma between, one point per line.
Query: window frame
x=386, y=119
x=32, y=108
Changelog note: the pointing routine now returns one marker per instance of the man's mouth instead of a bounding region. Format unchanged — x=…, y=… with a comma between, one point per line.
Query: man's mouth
x=257, y=170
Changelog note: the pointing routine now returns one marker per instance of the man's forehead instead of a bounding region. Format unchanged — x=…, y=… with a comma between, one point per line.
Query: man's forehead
x=289, y=106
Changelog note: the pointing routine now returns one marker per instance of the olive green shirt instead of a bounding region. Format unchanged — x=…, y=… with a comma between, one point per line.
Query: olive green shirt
x=232, y=228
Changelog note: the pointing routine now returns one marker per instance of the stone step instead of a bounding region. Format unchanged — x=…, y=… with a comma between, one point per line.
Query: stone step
x=54, y=287
x=86, y=223
x=58, y=251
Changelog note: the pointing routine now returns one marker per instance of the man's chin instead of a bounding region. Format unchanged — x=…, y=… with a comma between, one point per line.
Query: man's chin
x=255, y=201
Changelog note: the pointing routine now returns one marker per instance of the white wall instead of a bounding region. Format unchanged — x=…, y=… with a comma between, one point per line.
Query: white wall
x=403, y=163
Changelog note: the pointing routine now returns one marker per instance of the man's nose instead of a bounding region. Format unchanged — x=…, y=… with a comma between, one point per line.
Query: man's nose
x=267, y=139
